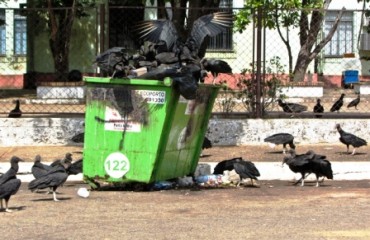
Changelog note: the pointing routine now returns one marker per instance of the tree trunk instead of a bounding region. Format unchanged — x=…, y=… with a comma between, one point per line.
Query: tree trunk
x=60, y=37
x=306, y=54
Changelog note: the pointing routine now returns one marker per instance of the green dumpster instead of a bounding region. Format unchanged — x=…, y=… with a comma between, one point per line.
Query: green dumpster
x=142, y=130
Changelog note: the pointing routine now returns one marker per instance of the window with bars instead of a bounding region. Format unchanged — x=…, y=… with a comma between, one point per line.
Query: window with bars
x=223, y=41
x=2, y=33
x=20, y=34
x=342, y=40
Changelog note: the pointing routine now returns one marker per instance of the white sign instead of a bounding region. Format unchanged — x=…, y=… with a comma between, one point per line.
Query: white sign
x=158, y=97
x=116, y=165
x=114, y=122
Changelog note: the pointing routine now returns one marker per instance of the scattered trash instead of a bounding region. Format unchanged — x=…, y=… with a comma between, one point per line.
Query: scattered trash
x=163, y=185
x=185, y=181
x=202, y=169
x=210, y=180
x=83, y=192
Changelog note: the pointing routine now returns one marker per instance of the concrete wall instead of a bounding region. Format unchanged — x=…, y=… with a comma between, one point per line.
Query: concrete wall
x=59, y=131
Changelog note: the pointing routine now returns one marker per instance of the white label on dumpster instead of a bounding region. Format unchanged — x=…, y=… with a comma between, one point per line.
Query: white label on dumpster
x=158, y=97
x=114, y=122
x=116, y=165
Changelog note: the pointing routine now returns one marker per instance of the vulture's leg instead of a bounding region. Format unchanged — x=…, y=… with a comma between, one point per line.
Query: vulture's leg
x=317, y=181
x=284, y=148
x=1, y=203
x=354, y=151
x=348, y=149
x=6, y=205
x=55, y=194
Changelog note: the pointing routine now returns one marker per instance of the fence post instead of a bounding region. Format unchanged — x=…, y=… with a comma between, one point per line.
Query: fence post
x=259, y=63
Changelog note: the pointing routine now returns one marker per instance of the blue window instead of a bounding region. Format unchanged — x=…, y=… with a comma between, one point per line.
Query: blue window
x=2, y=32
x=20, y=34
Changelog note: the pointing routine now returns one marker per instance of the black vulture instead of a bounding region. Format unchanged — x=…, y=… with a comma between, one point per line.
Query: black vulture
x=318, y=108
x=75, y=167
x=74, y=76
x=350, y=139
x=9, y=184
x=114, y=62
x=338, y=104
x=16, y=112
x=281, y=138
x=39, y=169
x=225, y=165
x=291, y=107
x=354, y=102
x=184, y=81
x=215, y=66
x=164, y=30
x=78, y=138
x=320, y=166
x=245, y=169
x=206, y=144
x=52, y=179
x=298, y=164
x=67, y=159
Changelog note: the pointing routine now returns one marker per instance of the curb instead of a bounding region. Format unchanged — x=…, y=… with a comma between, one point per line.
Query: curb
x=268, y=171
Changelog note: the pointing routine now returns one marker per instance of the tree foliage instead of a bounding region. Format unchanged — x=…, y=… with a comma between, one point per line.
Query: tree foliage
x=307, y=15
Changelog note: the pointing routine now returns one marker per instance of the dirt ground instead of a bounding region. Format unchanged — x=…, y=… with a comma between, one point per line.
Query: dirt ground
x=274, y=210
x=262, y=152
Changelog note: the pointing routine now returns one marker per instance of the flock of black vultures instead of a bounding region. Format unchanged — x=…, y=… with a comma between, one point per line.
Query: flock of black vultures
x=46, y=176
x=167, y=55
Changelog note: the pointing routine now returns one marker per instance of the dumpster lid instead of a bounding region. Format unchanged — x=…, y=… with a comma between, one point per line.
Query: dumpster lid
x=165, y=82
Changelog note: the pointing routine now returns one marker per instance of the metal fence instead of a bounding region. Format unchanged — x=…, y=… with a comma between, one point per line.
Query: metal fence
x=36, y=66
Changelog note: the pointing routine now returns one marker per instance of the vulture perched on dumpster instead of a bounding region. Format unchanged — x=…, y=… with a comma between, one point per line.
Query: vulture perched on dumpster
x=350, y=139
x=9, y=184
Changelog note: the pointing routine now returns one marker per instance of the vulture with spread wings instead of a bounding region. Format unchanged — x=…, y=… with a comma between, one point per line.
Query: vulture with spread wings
x=164, y=30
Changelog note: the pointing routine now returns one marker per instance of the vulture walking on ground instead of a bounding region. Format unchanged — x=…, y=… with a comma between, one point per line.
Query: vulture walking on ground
x=350, y=139
x=308, y=163
x=298, y=164
x=291, y=107
x=338, y=104
x=354, y=102
x=39, y=169
x=75, y=167
x=16, y=112
x=281, y=138
x=67, y=159
x=320, y=166
x=9, y=184
x=54, y=178
x=318, y=108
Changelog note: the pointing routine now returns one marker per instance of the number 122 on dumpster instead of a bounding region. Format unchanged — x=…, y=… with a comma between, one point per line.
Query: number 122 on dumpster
x=116, y=165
